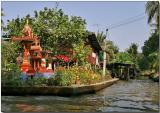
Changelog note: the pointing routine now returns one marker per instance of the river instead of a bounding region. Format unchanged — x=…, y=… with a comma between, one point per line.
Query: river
x=140, y=95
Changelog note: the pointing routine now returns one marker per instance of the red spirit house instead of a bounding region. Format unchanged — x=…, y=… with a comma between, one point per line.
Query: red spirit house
x=34, y=58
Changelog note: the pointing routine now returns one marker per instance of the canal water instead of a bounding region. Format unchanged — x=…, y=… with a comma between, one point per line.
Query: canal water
x=140, y=95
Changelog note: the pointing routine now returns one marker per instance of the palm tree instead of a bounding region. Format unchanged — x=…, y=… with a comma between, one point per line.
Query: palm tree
x=2, y=14
x=101, y=37
x=132, y=50
x=152, y=9
x=110, y=47
x=154, y=57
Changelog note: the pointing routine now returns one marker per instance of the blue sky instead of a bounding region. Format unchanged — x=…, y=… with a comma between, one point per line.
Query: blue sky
x=102, y=13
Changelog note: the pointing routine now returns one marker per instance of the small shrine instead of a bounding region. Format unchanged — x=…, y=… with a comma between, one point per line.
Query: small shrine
x=34, y=58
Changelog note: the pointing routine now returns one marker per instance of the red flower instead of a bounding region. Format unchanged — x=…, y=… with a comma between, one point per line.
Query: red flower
x=62, y=57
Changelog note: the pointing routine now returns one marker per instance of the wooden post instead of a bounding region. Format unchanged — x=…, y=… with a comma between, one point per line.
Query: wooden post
x=104, y=63
x=128, y=74
x=121, y=71
x=104, y=55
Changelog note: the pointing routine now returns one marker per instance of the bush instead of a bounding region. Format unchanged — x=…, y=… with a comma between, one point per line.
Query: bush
x=35, y=82
x=50, y=81
x=62, y=77
x=67, y=77
x=14, y=81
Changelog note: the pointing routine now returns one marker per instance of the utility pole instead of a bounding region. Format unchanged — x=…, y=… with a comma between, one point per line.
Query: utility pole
x=104, y=55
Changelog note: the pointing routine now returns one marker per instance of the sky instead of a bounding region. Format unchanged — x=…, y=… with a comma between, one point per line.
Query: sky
x=98, y=15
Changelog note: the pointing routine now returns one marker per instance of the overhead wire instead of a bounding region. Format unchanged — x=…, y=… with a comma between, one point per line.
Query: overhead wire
x=128, y=19
x=125, y=23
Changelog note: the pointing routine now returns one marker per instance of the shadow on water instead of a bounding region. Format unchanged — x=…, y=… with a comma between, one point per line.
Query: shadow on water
x=134, y=95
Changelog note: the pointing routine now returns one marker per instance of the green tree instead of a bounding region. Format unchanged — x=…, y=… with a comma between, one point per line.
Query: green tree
x=133, y=51
x=54, y=28
x=111, y=48
x=151, y=45
x=57, y=29
x=2, y=14
x=143, y=62
x=101, y=37
x=14, y=27
x=81, y=52
x=123, y=57
x=9, y=53
x=152, y=9
x=153, y=58
x=150, y=51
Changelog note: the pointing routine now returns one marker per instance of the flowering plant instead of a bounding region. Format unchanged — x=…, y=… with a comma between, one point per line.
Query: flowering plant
x=63, y=57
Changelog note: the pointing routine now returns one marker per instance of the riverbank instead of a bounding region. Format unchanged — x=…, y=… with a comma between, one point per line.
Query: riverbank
x=154, y=77
x=57, y=90
x=151, y=75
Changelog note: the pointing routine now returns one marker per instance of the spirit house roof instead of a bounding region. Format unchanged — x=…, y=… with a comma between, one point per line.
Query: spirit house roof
x=27, y=34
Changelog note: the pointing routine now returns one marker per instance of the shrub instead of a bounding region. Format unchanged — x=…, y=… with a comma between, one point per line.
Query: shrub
x=67, y=77
x=63, y=77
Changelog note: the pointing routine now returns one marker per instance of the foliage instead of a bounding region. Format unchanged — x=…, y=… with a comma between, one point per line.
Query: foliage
x=111, y=48
x=54, y=28
x=100, y=71
x=13, y=79
x=150, y=52
x=35, y=82
x=10, y=78
x=2, y=14
x=67, y=77
x=81, y=52
x=154, y=61
x=152, y=9
x=63, y=77
x=9, y=53
x=101, y=37
x=143, y=62
x=14, y=82
x=151, y=45
x=132, y=50
x=123, y=57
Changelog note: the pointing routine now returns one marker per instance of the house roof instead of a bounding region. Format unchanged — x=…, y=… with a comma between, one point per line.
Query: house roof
x=94, y=42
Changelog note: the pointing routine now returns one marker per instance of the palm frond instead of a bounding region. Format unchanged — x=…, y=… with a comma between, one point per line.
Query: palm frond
x=152, y=9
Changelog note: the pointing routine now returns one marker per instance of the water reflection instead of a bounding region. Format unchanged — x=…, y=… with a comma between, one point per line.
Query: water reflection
x=135, y=95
